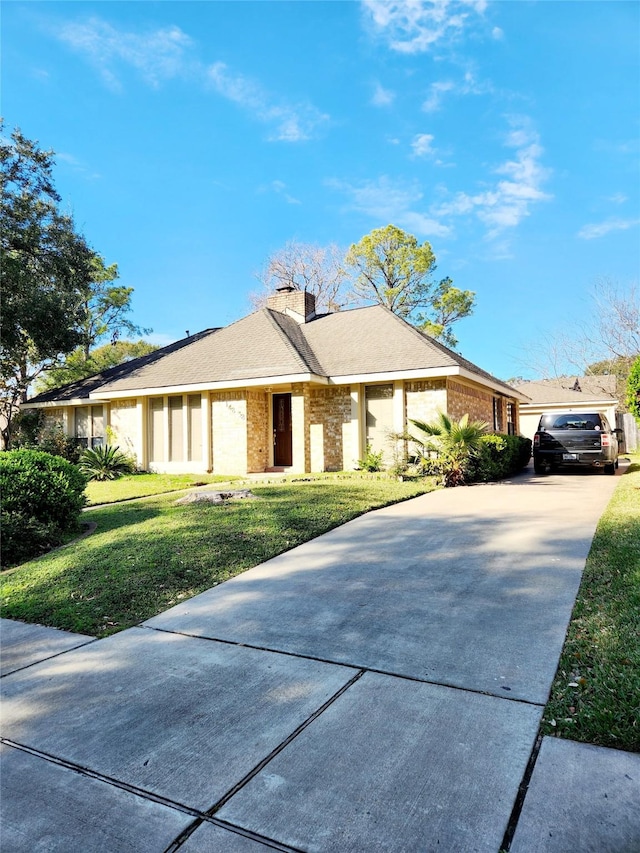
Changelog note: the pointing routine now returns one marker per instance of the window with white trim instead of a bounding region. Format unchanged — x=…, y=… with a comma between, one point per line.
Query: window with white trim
x=89, y=426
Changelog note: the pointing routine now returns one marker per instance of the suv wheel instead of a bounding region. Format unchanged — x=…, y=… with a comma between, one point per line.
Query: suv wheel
x=610, y=468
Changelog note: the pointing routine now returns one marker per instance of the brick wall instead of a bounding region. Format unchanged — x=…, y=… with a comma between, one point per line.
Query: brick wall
x=329, y=411
x=300, y=301
x=257, y=431
x=463, y=399
x=229, y=432
x=425, y=399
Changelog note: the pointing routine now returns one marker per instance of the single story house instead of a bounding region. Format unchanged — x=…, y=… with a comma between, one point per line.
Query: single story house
x=283, y=388
x=596, y=393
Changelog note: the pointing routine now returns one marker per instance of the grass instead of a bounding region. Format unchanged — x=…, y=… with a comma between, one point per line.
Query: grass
x=147, y=555
x=595, y=697
x=143, y=485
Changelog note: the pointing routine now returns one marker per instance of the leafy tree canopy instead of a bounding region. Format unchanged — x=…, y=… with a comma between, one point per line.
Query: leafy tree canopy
x=633, y=389
x=391, y=268
x=77, y=366
x=57, y=293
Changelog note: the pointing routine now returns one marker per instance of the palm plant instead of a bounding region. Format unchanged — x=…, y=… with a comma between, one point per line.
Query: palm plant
x=105, y=462
x=453, y=442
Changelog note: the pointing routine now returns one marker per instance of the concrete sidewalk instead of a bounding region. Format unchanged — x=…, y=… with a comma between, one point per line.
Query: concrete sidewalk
x=377, y=689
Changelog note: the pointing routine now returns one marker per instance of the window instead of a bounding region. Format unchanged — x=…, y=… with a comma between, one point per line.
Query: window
x=156, y=431
x=194, y=407
x=176, y=430
x=178, y=420
x=511, y=418
x=379, y=416
x=575, y=420
x=497, y=415
x=89, y=426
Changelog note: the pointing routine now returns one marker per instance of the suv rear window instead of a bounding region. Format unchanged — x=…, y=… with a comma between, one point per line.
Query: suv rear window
x=574, y=420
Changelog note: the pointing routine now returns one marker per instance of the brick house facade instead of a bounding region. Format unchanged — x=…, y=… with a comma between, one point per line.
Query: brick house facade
x=282, y=388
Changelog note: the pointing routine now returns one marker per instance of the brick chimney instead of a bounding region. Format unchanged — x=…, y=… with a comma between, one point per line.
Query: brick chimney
x=298, y=304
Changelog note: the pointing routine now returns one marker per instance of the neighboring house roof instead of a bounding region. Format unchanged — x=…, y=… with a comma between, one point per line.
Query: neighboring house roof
x=269, y=344
x=570, y=390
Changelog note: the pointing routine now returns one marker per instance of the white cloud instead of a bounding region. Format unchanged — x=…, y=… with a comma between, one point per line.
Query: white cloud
x=292, y=122
x=77, y=165
x=421, y=145
x=507, y=203
x=382, y=97
x=280, y=188
x=469, y=85
x=618, y=198
x=157, y=54
x=436, y=91
x=162, y=54
x=413, y=26
x=592, y=232
x=387, y=202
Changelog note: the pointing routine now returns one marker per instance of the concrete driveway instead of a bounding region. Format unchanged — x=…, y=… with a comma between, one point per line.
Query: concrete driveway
x=377, y=689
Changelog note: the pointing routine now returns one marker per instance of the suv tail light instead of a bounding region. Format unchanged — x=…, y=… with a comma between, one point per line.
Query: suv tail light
x=605, y=440
x=536, y=440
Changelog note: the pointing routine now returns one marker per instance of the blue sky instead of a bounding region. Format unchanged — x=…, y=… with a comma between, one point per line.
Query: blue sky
x=193, y=139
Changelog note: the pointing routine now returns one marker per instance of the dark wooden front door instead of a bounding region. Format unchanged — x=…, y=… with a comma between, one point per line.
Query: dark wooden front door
x=282, y=439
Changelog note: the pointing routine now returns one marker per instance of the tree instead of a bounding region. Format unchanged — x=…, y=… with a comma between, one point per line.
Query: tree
x=306, y=266
x=45, y=263
x=76, y=366
x=391, y=268
x=633, y=390
x=104, y=307
x=57, y=293
x=608, y=342
x=448, y=305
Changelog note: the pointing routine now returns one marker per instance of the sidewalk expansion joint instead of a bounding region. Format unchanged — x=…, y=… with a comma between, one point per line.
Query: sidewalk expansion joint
x=523, y=789
x=88, y=642
x=177, y=843
x=100, y=777
x=210, y=813
x=346, y=665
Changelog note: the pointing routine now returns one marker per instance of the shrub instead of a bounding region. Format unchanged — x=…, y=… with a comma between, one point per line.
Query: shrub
x=372, y=461
x=30, y=432
x=499, y=456
x=42, y=496
x=105, y=463
x=53, y=440
x=455, y=444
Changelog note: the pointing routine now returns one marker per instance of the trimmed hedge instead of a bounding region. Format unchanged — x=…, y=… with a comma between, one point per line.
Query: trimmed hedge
x=42, y=496
x=499, y=456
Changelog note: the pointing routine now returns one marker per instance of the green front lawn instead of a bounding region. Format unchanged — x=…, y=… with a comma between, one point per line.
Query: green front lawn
x=147, y=555
x=142, y=485
x=596, y=693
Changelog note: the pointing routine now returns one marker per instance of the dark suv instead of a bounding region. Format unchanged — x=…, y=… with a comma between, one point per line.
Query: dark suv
x=575, y=439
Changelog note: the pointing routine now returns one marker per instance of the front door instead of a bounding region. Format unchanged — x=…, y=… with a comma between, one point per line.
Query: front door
x=282, y=438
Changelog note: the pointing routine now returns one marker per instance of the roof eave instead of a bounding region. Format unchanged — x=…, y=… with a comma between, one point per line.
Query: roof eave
x=221, y=385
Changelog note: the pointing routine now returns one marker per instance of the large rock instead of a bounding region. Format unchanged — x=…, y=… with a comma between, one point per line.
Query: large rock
x=215, y=497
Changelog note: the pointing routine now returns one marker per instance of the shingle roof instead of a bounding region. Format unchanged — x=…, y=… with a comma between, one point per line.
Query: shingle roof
x=574, y=389
x=83, y=387
x=269, y=344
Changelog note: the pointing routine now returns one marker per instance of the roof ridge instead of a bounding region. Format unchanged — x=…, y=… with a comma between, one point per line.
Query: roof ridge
x=288, y=341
